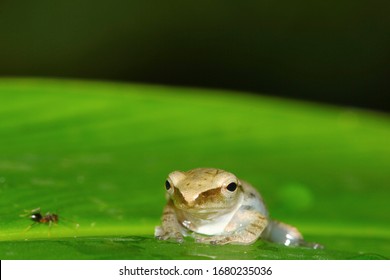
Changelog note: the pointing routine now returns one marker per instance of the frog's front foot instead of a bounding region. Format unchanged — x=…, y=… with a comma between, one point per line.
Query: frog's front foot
x=161, y=234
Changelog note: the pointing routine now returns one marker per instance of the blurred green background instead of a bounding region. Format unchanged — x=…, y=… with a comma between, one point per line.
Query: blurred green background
x=333, y=51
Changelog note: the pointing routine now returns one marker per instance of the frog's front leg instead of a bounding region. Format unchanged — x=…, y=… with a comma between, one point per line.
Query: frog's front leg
x=170, y=227
x=245, y=228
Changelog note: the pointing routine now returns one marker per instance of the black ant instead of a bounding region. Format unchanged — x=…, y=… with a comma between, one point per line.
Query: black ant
x=48, y=218
x=38, y=218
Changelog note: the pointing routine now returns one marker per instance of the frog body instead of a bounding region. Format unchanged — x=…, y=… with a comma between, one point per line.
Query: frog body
x=216, y=207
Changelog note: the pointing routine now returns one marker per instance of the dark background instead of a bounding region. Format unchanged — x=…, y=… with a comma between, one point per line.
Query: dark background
x=334, y=51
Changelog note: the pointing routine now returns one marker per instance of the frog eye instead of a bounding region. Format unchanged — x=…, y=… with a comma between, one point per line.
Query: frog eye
x=231, y=187
x=167, y=185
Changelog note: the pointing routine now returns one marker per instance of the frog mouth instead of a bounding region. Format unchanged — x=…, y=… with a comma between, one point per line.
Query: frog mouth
x=196, y=210
x=204, y=213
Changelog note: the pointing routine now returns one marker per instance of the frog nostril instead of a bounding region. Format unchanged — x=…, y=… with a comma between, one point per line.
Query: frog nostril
x=232, y=187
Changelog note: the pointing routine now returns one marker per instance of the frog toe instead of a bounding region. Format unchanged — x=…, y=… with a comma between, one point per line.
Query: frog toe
x=174, y=236
x=178, y=237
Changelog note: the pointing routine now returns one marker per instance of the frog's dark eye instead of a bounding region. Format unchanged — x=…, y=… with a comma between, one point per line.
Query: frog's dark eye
x=167, y=185
x=231, y=187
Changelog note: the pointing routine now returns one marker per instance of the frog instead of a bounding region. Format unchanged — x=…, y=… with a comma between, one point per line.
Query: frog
x=216, y=207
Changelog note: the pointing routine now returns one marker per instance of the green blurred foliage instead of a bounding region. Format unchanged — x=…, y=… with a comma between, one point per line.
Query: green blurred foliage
x=98, y=155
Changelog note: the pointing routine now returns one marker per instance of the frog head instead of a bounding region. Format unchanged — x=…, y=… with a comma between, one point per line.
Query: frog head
x=203, y=190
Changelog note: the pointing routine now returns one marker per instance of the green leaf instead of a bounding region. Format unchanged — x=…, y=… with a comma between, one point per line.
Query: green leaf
x=97, y=154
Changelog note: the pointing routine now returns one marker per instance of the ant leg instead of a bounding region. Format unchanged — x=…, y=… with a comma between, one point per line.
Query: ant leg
x=23, y=233
x=49, y=232
x=75, y=226
x=36, y=210
x=29, y=227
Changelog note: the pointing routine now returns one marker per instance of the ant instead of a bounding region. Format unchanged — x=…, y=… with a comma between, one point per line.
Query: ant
x=48, y=218
x=38, y=218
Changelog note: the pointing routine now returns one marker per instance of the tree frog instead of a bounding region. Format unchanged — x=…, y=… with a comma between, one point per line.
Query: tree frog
x=214, y=206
